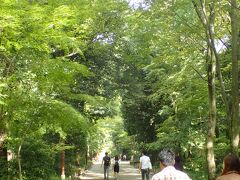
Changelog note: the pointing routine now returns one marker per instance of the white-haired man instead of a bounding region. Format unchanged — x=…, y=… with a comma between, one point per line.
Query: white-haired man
x=168, y=171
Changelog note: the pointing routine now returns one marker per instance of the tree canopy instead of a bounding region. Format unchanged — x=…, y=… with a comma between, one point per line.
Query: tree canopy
x=76, y=75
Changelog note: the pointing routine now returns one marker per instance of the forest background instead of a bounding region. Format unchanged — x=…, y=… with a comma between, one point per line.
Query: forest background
x=143, y=75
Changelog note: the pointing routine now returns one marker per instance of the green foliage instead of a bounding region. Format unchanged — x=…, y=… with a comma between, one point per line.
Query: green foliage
x=67, y=66
x=122, y=142
x=38, y=41
x=37, y=160
x=173, y=61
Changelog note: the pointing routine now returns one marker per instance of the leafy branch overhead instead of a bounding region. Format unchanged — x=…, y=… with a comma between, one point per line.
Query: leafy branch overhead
x=91, y=75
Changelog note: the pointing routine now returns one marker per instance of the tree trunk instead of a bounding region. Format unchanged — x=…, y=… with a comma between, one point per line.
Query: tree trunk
x=19, y=161
x=235, y=81
x=211, y=95
x=208, y=24
x=63, y=165
x=212, y=116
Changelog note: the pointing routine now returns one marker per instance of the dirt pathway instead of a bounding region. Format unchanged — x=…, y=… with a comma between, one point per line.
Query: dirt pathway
x=127, y=172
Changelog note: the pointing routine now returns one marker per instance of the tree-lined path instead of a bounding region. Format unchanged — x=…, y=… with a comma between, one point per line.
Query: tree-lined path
x=127, y=172
x=118, y=76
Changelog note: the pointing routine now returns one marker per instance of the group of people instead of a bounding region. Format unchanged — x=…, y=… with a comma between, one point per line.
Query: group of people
x=231, y=167
x=168, y=171
x=106, y=162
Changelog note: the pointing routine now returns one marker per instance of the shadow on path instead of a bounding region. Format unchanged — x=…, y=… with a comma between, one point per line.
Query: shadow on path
x=127, y=172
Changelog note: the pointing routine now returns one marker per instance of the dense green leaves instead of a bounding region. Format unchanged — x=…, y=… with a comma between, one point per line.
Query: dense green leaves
x=50, y=53
x=77, y=74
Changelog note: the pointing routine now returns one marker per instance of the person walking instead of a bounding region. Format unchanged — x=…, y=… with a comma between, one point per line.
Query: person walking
x=145, y=165
x=116, y=167
x=168, y=171
x=106, y=162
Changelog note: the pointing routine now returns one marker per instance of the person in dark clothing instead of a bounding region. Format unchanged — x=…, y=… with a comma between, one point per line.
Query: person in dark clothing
x=116, y=167
x=178, y=163
x=106, y=162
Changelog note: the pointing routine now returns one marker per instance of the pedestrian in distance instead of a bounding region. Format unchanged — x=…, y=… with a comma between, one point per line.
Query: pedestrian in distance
x=231, y=168
x=145, y=166
x=124, y=157
x=168, y=171
x=178, y=163
x=106, y=162
x=116, y=167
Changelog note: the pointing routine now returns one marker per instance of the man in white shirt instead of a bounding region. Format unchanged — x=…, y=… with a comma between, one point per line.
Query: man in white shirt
x=145, y=166
x=168, y=171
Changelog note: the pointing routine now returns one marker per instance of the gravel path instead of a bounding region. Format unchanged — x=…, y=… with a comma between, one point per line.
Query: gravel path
x=127, y=172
